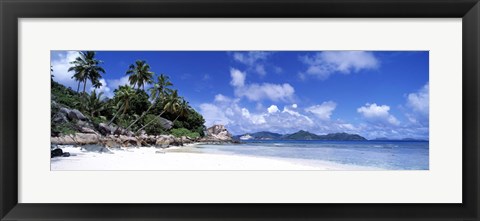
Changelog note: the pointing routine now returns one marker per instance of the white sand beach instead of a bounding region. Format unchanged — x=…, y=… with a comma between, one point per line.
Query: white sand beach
x=181, y=158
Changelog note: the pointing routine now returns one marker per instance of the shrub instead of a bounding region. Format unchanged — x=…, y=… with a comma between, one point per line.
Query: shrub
x=155, y=128
x=63, y=129
x=179, y=132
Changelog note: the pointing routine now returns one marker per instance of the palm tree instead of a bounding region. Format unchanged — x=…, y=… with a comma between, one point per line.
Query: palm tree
x=123, y=96
x=162, y=87
x=183, y=108
x=139, y=74
x=86, y=67
x=170, y=104
x=93, y=104
x=158, y=91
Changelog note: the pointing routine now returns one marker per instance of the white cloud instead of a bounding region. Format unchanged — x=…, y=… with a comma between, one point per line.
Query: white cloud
x=322, y=111
x=255, y=61
x=213, y=114
x=258, y=92
x=245, y=112
x=60, y=62
x=294, y=105
x=104, y=88
x=418, y=107
x=222, y=98
x=347, y=127
x=377, y=113
x=240, y=119
x=323, y=64
x=419, y=101
x=250, y=58
x=272, y=109
x=291, y=112
x=115, y=83
x=273, y=92
x=238, y=78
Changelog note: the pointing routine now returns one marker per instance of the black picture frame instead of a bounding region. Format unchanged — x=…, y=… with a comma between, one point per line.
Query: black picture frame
x=12, y=10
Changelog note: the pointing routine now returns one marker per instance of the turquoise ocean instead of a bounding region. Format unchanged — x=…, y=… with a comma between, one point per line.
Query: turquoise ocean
x=388, y=155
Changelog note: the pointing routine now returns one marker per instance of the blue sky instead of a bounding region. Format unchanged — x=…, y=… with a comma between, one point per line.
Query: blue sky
x=371, y=93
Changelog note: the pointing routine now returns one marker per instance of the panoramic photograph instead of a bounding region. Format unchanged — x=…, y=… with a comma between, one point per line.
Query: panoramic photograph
x=239, y=110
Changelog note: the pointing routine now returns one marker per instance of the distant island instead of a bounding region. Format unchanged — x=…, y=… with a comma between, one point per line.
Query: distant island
x=305, y=135
x=300, y=135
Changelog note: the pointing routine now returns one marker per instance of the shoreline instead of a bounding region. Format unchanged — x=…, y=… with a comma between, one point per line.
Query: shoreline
x=183, y=158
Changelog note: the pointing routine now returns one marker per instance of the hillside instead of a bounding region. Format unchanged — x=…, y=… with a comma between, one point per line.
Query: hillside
x=262, y=135
x=300, y=135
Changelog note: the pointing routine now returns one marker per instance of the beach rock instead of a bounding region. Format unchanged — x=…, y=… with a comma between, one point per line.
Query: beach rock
x=186, y=140
x=217, y=133
x=166, y=124
x=105, y=129
x=151, y=140
x=164, y=140
x=146, y=140
x=129, y=141
x=63, y=140
x=88, y=130
x=64, y=110
x=122, y=131
x=177, y=141
x=76, y=139
x=112, y=143
x=88, y=124
x=142, y=139
x=56, y=153
x=53, y=103
x=76, y=115
x=59, y=118
x=84, y=138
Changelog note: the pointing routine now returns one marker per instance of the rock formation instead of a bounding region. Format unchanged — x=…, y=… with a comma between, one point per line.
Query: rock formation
x=217, y=133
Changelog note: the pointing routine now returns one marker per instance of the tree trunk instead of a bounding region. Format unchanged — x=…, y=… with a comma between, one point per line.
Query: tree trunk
x=84, y=85
x=115, y=116
x=78, y=87
x=143, y=114
x=176, y=118
x=150, y=122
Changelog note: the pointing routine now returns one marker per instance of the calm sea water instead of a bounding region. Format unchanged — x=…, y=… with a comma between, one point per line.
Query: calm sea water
x=391, y=155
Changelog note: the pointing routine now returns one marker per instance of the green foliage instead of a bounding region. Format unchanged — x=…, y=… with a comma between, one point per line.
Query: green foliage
x=98, y=120
x=131, y=107
x=139, y=103
x=179, y=132
x=93, y=104
x=123, y=121
x=155, y=127
x=86, y=67
x=65, y=96
x=63, y=129
x=193, y=121
x=122, y=100
x=140, y=74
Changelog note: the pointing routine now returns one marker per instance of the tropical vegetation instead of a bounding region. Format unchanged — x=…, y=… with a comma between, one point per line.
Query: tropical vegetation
x=142, y=105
